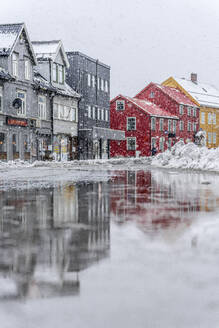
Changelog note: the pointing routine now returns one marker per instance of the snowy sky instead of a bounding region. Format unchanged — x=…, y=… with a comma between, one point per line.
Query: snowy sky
x=141, y=40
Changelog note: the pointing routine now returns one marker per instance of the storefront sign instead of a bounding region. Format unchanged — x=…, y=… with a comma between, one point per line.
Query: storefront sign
x=16, y=121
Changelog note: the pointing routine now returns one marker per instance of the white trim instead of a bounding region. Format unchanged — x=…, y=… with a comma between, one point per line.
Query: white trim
x=127, y=139
x=127, y=119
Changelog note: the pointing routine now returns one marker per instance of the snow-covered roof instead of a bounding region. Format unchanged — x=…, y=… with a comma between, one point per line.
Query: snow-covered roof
x=9, y=34
x=5, y=75
x=45, y=50
x=148, y=107
x=205, y=94
x=68, y=91
x=176, y=95
x=41, y=83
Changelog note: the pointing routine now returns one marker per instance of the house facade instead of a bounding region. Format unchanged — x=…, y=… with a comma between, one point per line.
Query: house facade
x=52, y=65
x=145, y=124
x=91, y=79
x=18, y=100
x=177, y=103
x=204, y=96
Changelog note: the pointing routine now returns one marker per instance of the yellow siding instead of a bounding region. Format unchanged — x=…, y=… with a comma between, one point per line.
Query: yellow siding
x=209, y=128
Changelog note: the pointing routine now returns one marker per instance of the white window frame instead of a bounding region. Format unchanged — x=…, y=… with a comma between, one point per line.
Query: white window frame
x=181, y=126
x=181, y=109
x=152, y=94
x=188, y=110
x=153, y=142
x=27, y=69
x=174, y=126
x=73, y=114
x=209, y=137
x=106, y=115
x=98, y=83
x=89, y=112
x=120, y=103
x=153, y=123
x=194, y=127
x=93, y=81
x=42, y=107
x=106, y=86
x=15, y=59
x=169, y=125
x=161, y=144
x=98, y=113
x=209, y=118
x=102, y=114
x=161, y=124
x=128, y=124
x=22, y=111
x=202, y=117
x=194, y=112
x=89, y=79
x=60, y=74
x=214, y=118
x=94, y=112
x=54, y=73
x=128, y=145
x=1, y=99
x=214, y=137
x=102, y=84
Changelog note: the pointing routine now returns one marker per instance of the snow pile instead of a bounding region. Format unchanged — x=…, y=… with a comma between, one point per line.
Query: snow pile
x=188, y=156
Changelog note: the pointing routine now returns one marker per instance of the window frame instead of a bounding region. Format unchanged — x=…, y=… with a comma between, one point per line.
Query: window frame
x=153, y=123
x=15, y=60
x=202, y=117
x=161, y=126
x=121, y=102
x=27, y=69
x=181, y=126
x=128, y=124
x=42, y=107
x=181, y=109
x=127, y=143
x=1, y=99
x=24, y=102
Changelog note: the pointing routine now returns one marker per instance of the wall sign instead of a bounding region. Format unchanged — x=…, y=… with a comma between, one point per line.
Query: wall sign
x=16, y=121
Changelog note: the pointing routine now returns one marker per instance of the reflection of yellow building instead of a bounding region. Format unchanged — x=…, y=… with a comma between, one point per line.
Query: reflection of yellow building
x=206, y=97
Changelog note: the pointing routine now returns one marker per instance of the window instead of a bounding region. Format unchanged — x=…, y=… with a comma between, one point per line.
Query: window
x=209, y=118
x=153, y=143
x=98, y=83
x=153, y=123
x=174, y=126
x=55, y=72
x=102, y=114
x=131, y=143
x=98, y=113
x=189, y=111
x=202, y=118
x=106, y=115
x=61, y=112
x=61, y=74
x=89, y=113
x=102, y=84
x=93, y=81
x=181, y=109
x=189, y=126
x=194, y=127
x=27, y=69
x=22, y=95
x=88, y=79
x=106, y=86
x=209, y=137
x=169, y=125
x=152, y=94
x=94, y=113
x=161, y=124
x=181, y=125
x=131, y=123
x=214, y=118
x=1, y=99
x=73, y=114
x=42, y=107
x=162, y=141
x=120, y=104
x=194, y=112
x=15, y=58
x=214, y=137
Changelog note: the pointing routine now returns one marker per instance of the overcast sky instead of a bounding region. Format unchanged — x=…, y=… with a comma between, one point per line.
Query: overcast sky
x=141, y=40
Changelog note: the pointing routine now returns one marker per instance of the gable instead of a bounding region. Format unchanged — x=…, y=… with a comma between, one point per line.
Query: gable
x=22, y=46
x=60, y=56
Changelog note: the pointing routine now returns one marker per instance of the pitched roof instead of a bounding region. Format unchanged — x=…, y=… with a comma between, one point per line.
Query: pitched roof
x=205, y=94
x=148, y=107
x=46, y=50
x=5, y=75
x=41, y=83
x=176, y=95
x=9, y=34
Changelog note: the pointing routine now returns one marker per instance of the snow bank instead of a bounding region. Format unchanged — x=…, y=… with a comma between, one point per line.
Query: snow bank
x=188, y=156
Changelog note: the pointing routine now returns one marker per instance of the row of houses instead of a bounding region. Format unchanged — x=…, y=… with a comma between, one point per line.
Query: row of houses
x=162, y=114
x=53, y=104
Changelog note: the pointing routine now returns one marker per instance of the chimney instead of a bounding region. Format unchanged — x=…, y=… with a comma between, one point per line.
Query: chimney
x=194, y=77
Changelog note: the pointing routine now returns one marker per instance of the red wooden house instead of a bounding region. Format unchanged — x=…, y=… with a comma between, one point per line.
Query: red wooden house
x=146, y=125
x=177, y=103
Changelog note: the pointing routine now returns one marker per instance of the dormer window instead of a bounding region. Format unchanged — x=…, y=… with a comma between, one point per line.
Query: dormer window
x=54, y=73
x=27, y=69
x=15, y=64
x=61, y=74
x=120, y=104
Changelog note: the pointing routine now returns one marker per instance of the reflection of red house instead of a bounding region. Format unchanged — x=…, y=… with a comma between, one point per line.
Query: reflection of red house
x=177, y=103
x=145, y=125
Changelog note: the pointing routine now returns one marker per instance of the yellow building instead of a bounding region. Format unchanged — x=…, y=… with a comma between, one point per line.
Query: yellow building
x=206, y=97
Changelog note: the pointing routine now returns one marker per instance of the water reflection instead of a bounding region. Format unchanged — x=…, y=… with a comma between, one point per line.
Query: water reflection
x=47, y=237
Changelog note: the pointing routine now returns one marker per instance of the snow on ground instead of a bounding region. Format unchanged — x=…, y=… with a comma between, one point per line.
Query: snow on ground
x=188, y=156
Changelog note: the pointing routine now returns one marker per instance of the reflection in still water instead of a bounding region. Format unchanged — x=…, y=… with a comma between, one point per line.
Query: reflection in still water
x=48, y=236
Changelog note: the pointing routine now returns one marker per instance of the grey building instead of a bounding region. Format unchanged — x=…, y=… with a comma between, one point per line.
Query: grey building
x=18, y=99
x=91, y=79
x=52, y=65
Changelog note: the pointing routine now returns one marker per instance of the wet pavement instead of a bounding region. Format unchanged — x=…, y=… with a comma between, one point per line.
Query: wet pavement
x=138, y=250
